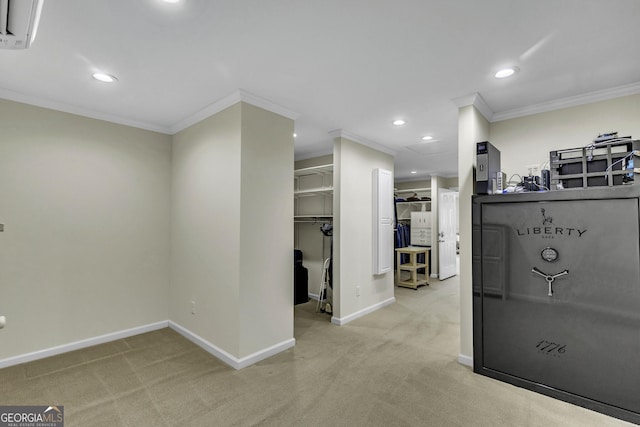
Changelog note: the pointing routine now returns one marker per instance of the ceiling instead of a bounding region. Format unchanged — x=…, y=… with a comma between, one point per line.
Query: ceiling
x=354, y=65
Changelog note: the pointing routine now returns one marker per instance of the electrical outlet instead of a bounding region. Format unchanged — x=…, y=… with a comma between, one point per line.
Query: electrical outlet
x=193, y=307
x=357, y=291
x=533, y=170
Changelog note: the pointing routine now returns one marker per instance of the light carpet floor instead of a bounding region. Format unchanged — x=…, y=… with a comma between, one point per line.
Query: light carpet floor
x=395, y=367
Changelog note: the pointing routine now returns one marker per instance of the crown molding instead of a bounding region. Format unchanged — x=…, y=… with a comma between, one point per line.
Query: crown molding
x=208, y=111
x=477, y=101
x=84, y=112
x=339, y=133
x=265, y=104
x=216, y=107
x=229, y=100
x=572, y=101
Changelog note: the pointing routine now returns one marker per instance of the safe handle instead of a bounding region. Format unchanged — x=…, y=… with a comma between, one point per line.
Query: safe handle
x=549, y=277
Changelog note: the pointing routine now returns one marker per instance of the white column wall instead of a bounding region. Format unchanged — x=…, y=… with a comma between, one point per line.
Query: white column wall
x=206, y=229
x=353, y=227
x=472, y=128
x=266, y=230
x=232, y=234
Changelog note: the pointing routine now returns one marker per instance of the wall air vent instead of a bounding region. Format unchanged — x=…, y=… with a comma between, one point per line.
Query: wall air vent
x=18, y=22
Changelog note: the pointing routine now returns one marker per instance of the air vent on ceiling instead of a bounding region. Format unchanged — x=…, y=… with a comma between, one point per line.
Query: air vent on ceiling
x=18, y=22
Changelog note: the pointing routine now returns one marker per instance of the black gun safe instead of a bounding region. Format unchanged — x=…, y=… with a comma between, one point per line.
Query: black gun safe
x=556, y=295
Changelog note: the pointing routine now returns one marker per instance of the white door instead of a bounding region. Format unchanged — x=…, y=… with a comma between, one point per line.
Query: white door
x=447, y=213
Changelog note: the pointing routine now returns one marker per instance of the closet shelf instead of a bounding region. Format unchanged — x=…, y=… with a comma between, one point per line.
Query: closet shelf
x=314, y=170
x=322, y=191
x=419, y=193
x=415, y=202
x=413, y=190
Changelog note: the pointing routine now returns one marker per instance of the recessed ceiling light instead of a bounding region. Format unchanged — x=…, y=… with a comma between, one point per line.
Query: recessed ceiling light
x=427, y=138
x=171, y=1
x=295, y=135
x=399, y=122
x=506, y=72
x=106, y=78
x=414, y=172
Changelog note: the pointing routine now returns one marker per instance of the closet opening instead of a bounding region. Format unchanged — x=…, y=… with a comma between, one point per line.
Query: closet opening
x=313, y=239
x=426, y=231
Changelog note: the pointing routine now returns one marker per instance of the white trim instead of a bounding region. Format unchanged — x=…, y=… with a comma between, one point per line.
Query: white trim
x=78, y=111
x=433, y=275
x=265, y=104
x=344, y=320
x=465, y=360
x=228, y=101
x=314, y=297
x=339, y=133
x=208, y=111
x=76, y=345
x=265, y=353
x=477, y=101
x=227, y=358
x=205, y=345
x=572, y=101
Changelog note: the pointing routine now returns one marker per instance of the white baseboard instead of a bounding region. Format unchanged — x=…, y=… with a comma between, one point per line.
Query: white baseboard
x=344, y=320
x=76, y=345
x=237, y=363
x=463, y=359
x=315, y=297
x=234, y=362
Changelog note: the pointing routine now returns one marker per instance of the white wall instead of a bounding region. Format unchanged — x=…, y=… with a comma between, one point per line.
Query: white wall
x=353, y=242
x=528, y=140
x=450, y=183
x=407, y=185
x=85, y=251
x=232, y=230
